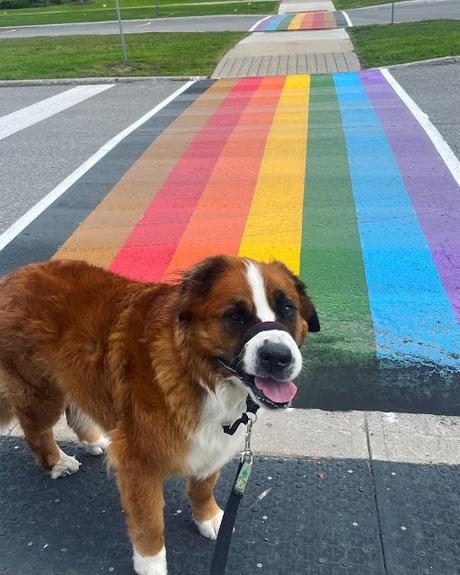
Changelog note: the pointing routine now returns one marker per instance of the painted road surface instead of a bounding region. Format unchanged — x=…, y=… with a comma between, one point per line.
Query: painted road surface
x=333, y=175
x=302, y=21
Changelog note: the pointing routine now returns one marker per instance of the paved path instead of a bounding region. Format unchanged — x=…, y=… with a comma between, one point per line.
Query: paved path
x=304, y=18
x=222, y=23
x=334, y=175
x=291, y=51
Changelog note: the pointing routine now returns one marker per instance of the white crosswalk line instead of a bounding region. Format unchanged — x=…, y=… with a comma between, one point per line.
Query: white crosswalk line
x=26, y=117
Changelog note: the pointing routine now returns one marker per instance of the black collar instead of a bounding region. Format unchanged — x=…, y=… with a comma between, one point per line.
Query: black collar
x=251, y=407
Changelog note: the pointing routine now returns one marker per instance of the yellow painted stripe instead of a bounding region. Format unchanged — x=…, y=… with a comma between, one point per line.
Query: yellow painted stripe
x=274, y=225
x=295, y=22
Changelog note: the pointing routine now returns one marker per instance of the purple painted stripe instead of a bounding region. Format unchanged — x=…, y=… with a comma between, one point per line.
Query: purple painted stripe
x=434, y=193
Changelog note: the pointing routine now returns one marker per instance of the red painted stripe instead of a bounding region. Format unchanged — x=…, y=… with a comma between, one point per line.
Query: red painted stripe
x=318, y=21
x=151, y=245
x=219, y=219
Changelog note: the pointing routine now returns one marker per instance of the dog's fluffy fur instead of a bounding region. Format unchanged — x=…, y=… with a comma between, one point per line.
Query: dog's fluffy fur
x=140, y=360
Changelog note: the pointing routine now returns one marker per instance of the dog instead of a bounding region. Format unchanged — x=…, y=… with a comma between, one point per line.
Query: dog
x=159, y=368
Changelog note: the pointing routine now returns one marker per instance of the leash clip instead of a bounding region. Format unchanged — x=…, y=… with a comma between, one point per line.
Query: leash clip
x=247, y=454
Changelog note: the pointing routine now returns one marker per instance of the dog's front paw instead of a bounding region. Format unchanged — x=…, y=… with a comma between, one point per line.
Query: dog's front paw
x=65, y=466
x=97, y=447
x=210, y=528
x=150, y=564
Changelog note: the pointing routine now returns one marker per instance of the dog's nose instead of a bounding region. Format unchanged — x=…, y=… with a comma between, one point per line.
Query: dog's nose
x=275, y=354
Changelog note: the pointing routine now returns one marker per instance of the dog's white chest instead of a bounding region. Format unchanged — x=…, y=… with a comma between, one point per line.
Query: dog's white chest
x=211, y=448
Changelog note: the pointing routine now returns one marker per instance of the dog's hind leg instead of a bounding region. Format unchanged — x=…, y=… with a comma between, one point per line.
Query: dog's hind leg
x=90, y=436
x=206, y=513
x=38, y=404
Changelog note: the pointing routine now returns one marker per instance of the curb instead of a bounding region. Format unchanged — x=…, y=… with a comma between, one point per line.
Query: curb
x=431, y=62
x=103, y=80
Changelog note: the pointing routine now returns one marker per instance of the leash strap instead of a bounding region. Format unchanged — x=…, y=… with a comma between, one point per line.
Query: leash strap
x=224, y=537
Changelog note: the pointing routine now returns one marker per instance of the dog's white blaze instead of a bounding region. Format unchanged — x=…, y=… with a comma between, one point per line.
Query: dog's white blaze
x=276, y=336
x=256, y=283
x=211, y=448
x=150, y=564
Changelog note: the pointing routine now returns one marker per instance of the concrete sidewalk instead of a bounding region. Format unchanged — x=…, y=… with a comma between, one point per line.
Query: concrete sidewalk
x=291, y=52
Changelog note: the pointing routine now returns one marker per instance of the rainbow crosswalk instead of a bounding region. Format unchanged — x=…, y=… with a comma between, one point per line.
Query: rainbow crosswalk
x=320, y=172
x=302, y=21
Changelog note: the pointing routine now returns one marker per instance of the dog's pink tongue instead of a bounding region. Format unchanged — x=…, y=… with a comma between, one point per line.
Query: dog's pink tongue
x=277, y=391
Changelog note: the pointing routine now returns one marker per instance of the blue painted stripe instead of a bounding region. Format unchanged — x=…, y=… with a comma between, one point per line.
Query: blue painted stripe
x=413, y=320
x=273, y=23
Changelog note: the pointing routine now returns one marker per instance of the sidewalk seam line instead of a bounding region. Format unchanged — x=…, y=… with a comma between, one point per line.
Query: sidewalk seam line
x=374, y=492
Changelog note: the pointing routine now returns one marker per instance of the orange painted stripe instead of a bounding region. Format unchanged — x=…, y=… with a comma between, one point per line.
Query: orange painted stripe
x=296, y=22
x=307, y=22
x=329, y=20
x=146, y=253
x=218, y=221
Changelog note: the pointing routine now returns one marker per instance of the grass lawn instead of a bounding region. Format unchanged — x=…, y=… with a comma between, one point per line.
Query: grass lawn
x=346, y=4
x=408, y=42
x=161, y=54
x=131, y=9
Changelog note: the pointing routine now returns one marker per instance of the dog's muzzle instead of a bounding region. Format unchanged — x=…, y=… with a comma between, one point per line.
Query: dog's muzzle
x=273, y=358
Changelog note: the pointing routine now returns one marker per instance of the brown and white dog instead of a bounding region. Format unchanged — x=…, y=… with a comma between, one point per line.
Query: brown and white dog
x=146, y=363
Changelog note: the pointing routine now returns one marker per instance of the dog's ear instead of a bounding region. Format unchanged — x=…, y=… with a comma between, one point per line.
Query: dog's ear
x=307, y=309
x=197, y=281
x=313, y=321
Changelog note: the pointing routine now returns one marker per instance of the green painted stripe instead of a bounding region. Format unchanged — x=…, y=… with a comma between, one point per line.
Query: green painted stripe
x=331, y=260
x=284, y=24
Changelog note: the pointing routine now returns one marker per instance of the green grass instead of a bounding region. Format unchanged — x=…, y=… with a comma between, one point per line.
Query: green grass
x=346, y=4
x=131, y=9
x=161, y=54
x=408, y=42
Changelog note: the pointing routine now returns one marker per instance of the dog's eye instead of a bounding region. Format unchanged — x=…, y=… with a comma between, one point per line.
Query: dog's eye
x=237, y=318
x=289, y=309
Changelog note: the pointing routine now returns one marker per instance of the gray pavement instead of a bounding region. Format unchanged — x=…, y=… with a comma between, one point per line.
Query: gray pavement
x=441, y=101
x=411, y=11
x=223, y=23
x=37, y=159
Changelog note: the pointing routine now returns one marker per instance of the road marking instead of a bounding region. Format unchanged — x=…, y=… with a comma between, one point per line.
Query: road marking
x=347, y=18
x=423, y=119
x=8, y=235
x=252, y=28
x=30, y=115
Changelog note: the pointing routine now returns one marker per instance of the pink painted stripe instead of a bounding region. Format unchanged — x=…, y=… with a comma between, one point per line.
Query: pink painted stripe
x=148, y=250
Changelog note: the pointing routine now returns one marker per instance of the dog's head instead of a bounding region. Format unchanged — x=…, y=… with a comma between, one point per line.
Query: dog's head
x=252, y=317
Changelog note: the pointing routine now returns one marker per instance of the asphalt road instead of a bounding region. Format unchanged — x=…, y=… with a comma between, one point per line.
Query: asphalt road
x=440, y=101
x=411, y=11
x=225, y=23
x=37, y=159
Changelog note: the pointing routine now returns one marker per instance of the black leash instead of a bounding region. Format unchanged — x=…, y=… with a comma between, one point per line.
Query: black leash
x=224, y=537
